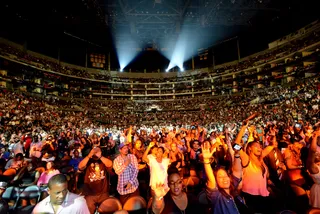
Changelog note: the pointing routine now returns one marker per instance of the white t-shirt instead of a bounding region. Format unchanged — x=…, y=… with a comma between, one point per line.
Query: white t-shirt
x=17, y=148
x=158, y=171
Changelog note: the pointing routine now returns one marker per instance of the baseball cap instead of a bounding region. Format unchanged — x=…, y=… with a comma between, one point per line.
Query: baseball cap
x=121, y=145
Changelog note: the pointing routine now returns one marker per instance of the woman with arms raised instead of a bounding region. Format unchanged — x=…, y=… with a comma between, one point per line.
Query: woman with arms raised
x=255, y=174
x=222, y=187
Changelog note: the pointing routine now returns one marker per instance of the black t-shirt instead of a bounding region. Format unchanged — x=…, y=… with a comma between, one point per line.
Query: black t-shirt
x=96, y=180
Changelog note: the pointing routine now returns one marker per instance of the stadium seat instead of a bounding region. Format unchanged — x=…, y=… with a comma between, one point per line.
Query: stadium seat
x=135, y=203
x=12, y=196
x=110, y=205
x=314, y=211
x=31, y=192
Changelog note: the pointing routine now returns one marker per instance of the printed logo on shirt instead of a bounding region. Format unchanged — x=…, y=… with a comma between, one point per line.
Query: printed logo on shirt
x=97, y=174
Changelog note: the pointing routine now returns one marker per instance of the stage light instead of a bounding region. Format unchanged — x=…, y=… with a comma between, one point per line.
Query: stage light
x=181, y=69
x=126, y=51
x=167, y=69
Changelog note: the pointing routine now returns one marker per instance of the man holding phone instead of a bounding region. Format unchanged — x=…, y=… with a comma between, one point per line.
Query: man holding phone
x=96, y=179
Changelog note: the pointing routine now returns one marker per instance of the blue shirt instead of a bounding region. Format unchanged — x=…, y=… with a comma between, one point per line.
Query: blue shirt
x=220, y=203
x=75, y=162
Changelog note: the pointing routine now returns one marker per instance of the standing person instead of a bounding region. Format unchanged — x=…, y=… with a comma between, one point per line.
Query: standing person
x=222, y=188
x=35, y=148
x=255, y=174
x=158, y=166
x=60, y=200
x=313, y=166
x=126, y=167
x=96, y=180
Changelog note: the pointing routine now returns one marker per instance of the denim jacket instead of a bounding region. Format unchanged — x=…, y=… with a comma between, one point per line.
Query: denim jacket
x=220, y=203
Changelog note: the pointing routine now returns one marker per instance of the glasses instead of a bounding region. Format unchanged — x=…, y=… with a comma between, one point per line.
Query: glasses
x=178, y=182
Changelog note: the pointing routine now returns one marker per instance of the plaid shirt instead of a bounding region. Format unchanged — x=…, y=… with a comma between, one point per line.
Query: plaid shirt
x=127, y=174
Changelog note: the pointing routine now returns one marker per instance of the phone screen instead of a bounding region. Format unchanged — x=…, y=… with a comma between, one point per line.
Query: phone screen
x=237, y=147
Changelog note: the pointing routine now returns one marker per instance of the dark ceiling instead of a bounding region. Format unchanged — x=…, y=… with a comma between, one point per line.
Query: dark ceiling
x=102, y=23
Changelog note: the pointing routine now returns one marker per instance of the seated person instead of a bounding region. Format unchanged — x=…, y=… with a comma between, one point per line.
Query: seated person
x=13, y=165
x=46, y=175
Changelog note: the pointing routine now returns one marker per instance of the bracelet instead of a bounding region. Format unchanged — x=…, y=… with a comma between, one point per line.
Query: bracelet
x=159, y=199
x=206, y=163
x=237, y=156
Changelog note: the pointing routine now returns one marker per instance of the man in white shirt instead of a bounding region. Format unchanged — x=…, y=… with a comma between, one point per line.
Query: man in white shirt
x=60, y=200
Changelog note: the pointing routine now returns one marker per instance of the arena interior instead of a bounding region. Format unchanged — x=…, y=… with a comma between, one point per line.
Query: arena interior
x=160, y=106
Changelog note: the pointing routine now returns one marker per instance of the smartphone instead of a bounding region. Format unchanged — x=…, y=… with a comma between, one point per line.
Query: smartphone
x=297, y=125
x=237, y=147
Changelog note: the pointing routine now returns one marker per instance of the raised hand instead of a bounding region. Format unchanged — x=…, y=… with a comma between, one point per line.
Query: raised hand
x=98, y=152
x=92, y=152
x=206, y=153
x=151, y=144
x=188, y=139
x=160, y=191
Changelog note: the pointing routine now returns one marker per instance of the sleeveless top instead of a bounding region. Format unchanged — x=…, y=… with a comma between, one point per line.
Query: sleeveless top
x=254, y=182
x=170, y=207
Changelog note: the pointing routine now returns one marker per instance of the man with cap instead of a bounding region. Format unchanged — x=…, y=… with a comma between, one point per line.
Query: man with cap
x=126, y=167
x=96, y=180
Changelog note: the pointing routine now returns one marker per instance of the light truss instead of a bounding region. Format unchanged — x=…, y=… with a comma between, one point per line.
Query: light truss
x=141, y=16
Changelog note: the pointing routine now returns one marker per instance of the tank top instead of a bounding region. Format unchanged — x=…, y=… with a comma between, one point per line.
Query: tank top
x=254, y=182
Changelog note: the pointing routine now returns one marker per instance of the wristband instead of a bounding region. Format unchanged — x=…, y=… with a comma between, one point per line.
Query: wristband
x=237, y=156
x=206, y=162
x=159, y=199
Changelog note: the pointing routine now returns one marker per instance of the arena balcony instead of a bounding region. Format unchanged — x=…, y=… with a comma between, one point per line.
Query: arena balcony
x=280, y=65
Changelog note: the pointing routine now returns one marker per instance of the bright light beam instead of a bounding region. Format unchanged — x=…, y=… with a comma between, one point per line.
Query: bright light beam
x=126, y=51
x=185, y=47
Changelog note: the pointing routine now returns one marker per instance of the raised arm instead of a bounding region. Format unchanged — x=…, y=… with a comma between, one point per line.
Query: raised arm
x=243, y=155
x=207, y=154
x=97, y=152
x=83, y=164
x=157, y=200
x=311, y=166
x=236, y=166
x=266, y=151
x=106, y=161
x=129, y=138
x=145, y=154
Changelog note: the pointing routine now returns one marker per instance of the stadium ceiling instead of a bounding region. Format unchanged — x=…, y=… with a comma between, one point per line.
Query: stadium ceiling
x=153, y=20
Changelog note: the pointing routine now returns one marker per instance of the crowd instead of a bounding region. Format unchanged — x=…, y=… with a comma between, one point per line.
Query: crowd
x=255, y=152
x=172, y=158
